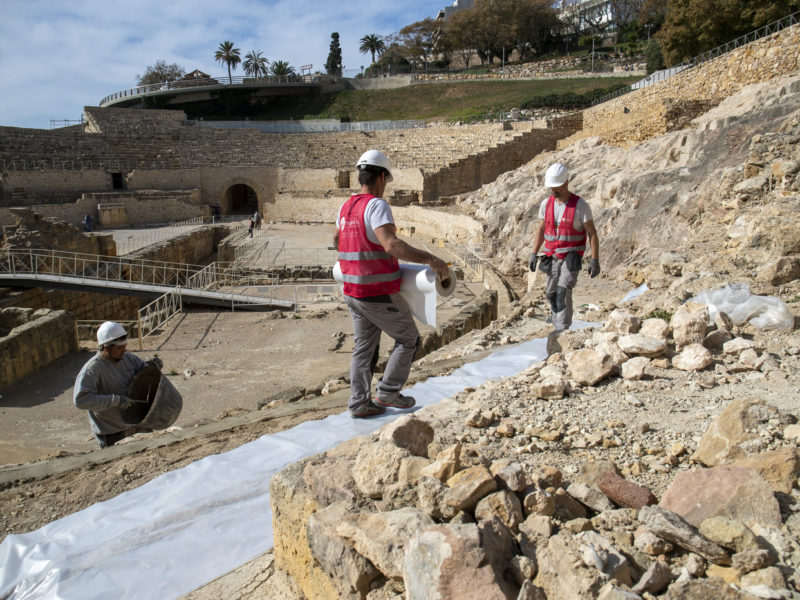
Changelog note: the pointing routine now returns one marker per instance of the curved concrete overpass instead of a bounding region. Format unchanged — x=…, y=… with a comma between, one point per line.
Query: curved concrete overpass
x=198, y=90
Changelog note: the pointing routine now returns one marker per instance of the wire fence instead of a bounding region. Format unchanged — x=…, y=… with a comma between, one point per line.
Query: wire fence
x=748, y=38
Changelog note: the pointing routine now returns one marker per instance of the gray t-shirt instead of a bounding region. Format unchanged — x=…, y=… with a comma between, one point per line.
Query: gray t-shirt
x=96, y=385
x=377, y=214
x=583, y=212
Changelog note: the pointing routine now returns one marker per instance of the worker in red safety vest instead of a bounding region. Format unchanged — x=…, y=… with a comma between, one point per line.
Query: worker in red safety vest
x=369, y=249
x=566, y=227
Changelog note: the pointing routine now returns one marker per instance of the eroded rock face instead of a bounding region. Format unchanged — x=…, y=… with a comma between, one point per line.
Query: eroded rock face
x=733, y=492
x=729, y=434
x=447, y=561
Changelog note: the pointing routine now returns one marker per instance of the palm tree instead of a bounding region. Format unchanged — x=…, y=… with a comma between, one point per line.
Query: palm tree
x=255, y=64
x=372, y=43
x=229, y=55
x=281, y=68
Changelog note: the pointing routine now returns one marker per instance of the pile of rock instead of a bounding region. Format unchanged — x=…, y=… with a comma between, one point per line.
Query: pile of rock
x=406, y=512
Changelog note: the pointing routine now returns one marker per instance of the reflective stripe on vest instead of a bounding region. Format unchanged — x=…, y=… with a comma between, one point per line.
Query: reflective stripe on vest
x=561, y=238
x=367, y=269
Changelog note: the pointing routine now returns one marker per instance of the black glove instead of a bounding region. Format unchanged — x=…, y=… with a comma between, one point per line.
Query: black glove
x=594, y=268
x=156, y=361
x=532, y=262
x=124, y=402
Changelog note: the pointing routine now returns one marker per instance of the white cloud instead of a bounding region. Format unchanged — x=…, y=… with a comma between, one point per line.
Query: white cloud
x=57, y=57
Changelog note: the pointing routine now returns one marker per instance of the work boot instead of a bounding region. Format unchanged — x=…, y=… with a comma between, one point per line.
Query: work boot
x=397, y=400
x=367, y=410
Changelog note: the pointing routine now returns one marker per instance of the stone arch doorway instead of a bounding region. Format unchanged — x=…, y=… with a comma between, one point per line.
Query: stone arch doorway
x=241, y=199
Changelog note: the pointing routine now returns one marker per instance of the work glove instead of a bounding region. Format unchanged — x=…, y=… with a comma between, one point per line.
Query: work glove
x=594, y=268
x=532, y=262
x=124, y=402
x=156, y=361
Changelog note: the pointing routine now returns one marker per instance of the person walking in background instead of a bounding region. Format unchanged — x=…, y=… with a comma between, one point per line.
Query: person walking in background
x=369, y=249
x=87, y=222
x=250, y=226
x=565, y=226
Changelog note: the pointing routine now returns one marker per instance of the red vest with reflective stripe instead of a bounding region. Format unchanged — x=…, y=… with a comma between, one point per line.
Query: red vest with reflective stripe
x=367, y=269
x=561, y=238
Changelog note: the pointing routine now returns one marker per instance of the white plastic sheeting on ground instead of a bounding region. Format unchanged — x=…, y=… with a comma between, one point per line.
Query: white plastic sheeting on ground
x=736, y=300
x=187, y=527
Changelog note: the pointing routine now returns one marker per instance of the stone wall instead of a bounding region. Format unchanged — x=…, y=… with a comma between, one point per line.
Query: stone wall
x=32, y=339
x=30, y=230
x=669, y=105
x=143, y=207
x=84, y=306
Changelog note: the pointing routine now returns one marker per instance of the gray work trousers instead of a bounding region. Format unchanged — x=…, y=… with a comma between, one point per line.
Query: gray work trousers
x=560, y=282
x=369, y=320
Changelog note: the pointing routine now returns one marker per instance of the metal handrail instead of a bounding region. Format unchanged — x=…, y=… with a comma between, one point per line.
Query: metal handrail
x=748, y=38
x=239, y=80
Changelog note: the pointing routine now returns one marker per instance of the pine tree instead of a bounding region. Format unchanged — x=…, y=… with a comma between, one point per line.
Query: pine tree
x=334, y=63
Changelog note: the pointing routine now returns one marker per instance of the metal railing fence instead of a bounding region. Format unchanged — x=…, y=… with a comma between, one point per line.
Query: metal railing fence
x=310, y=126
x=767, y=30
x=141, y=239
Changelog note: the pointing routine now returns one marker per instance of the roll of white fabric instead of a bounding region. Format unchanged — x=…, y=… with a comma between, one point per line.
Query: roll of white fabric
x=419, y=287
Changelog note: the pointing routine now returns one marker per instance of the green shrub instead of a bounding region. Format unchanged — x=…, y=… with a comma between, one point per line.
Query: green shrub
x=660, y=314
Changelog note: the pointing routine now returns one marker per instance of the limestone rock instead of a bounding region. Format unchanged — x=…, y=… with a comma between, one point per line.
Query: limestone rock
x=599, y=552
x=737, y=345
x=550, y=387
x=670, y=526
x=500, y=546
x=382, y=537
x=612, y=592
x=534, y=529
x=510, y=474
x=377, y=466
x=446, y=464
x=430, y=494
x=522, y=568
x=563, y=573
x=638, y=344
x=724, y=439
x=723, y=321
x=540, y=502
x=770, y=577
x=779, y=468
x=716, y=340
x=587, y=367
x=651, y=544
x=409, y=432
x=752, y=560
x=467, y=487
x=411, y=470
x=633, y=369
x=623, y=492
x=592, y=470
x=613, y=350
x=528, y=591
x=567, y=508
x=783, y=270
x=689, y=324
x=447, y=561
x=589, y=496
x=348, y=570
x=694, y=357
x=655, y=328
x=330, y=481
x=547, y=477
x=655, y=579
x=704, y=589
x=622, y=321
x=504, y=505
x=733, y=492
x=729, y=533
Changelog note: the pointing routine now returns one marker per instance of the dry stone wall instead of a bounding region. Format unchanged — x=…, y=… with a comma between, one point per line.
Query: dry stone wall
x=652, y=111
x=32, y=339
x=84, y=306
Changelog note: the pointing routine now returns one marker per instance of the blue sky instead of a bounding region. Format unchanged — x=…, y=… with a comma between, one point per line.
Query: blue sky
x=58, y=56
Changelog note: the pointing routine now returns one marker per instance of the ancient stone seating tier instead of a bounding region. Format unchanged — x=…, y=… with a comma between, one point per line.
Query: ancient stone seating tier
x=137, y=138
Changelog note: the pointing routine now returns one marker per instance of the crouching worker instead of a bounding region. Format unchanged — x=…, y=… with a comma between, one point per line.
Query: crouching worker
x=102, y=384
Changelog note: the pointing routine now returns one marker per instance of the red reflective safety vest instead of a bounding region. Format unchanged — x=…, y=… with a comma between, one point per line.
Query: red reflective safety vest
x=561, y=238
x=367, y=269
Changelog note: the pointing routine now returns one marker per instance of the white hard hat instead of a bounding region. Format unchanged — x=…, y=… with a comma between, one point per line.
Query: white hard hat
x=375, y=158
x=556, y=176
x=110, y=331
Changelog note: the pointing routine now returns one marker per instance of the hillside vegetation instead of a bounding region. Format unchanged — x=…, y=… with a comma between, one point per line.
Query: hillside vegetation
x=451, y=100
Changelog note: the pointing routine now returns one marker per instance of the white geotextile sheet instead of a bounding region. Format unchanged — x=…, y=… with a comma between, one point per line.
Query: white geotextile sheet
x=419, y=287
x=188, y=527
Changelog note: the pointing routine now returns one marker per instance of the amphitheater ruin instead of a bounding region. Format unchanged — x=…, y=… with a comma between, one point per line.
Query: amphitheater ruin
x=136, y=171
